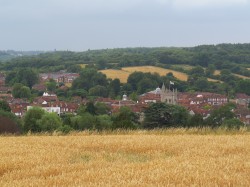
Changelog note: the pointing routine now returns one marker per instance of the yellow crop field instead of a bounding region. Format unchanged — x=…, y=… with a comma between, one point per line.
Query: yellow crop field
x=125, y=72
x=160, y=71
x=136, y=159
x=214, y=80
x=217, y=72
x=116, y=74
x=83, y=65
x=241, y=76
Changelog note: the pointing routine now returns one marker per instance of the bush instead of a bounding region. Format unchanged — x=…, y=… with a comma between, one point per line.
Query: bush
x=9, y=123
x=65, y=129
x=232, y=123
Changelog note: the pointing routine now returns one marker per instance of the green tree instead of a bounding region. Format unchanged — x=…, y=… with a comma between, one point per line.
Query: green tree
x=243, y=86
x=115, y=86
x=145, y=85
x=134, y=78
x=157, y=116
x=88, y=79
x=199, y=71
x=104, y=122
x=28, y=77
x=201, y=84
x=51, y=85
x=25, y=76
x=124, y=119
x=196, y=121
x=4, y=106
x=90, y=108
x=210, y=70
x=49, y=122
x=25, y=92
x=232, y=123
x=31, y=118
x=78, y=92
x=21, y=91
x=76, y=68
x=219, y=115
x=134, y=96
x=102, y=108
x=98, y=90
x=87, y=122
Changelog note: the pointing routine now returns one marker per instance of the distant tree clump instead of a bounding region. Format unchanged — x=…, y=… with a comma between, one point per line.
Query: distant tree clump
x=25, y=76
x=21, y=91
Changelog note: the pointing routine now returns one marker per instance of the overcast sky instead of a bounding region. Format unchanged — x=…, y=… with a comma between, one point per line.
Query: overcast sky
x=96, y=24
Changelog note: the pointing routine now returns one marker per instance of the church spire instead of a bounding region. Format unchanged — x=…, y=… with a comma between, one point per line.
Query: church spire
x=163, y=88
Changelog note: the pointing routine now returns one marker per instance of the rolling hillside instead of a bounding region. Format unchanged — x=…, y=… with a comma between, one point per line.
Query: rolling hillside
x=124, y=73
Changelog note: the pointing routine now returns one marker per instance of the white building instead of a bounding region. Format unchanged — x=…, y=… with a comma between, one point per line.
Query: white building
x=48, y=109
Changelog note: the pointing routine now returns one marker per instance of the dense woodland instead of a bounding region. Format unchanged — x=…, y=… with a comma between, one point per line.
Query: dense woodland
x=223, y=56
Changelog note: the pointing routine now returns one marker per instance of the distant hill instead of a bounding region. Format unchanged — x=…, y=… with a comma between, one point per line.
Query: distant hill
x=234, y=57
x=10, y=54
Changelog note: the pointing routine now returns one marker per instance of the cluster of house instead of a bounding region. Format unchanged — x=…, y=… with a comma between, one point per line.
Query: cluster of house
x=196, y=103
x=61, y=76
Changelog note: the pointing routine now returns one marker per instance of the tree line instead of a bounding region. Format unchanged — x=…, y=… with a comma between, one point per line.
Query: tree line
x=97, y=116
x=235, y=57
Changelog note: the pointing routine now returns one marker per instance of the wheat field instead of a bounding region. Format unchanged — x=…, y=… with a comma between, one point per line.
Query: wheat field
x=124, y=73
x=154, y=69
x=133, y=159
x=241, y=76
x=116, y=74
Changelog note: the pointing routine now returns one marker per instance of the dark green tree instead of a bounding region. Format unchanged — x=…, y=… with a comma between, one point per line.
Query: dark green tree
x=4, y=106
x=88, y=79
x=76, y=68
x=219, y=115
x=232, y=123
x=98, y=90
x=115, y=86
x=124, y=119
x=196, y=121
x=162, y=115
x=90, y=108
x=102, y=108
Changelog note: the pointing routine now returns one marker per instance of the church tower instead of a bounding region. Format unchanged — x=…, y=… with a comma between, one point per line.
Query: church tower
x=168, y=96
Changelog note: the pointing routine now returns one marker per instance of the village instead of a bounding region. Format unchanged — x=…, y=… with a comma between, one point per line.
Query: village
x=202, y=103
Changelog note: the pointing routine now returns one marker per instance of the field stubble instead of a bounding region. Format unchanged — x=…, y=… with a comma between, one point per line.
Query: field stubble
x=136, y=159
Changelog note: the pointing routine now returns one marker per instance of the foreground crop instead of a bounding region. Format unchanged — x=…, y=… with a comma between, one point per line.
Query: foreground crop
x=125, y=160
